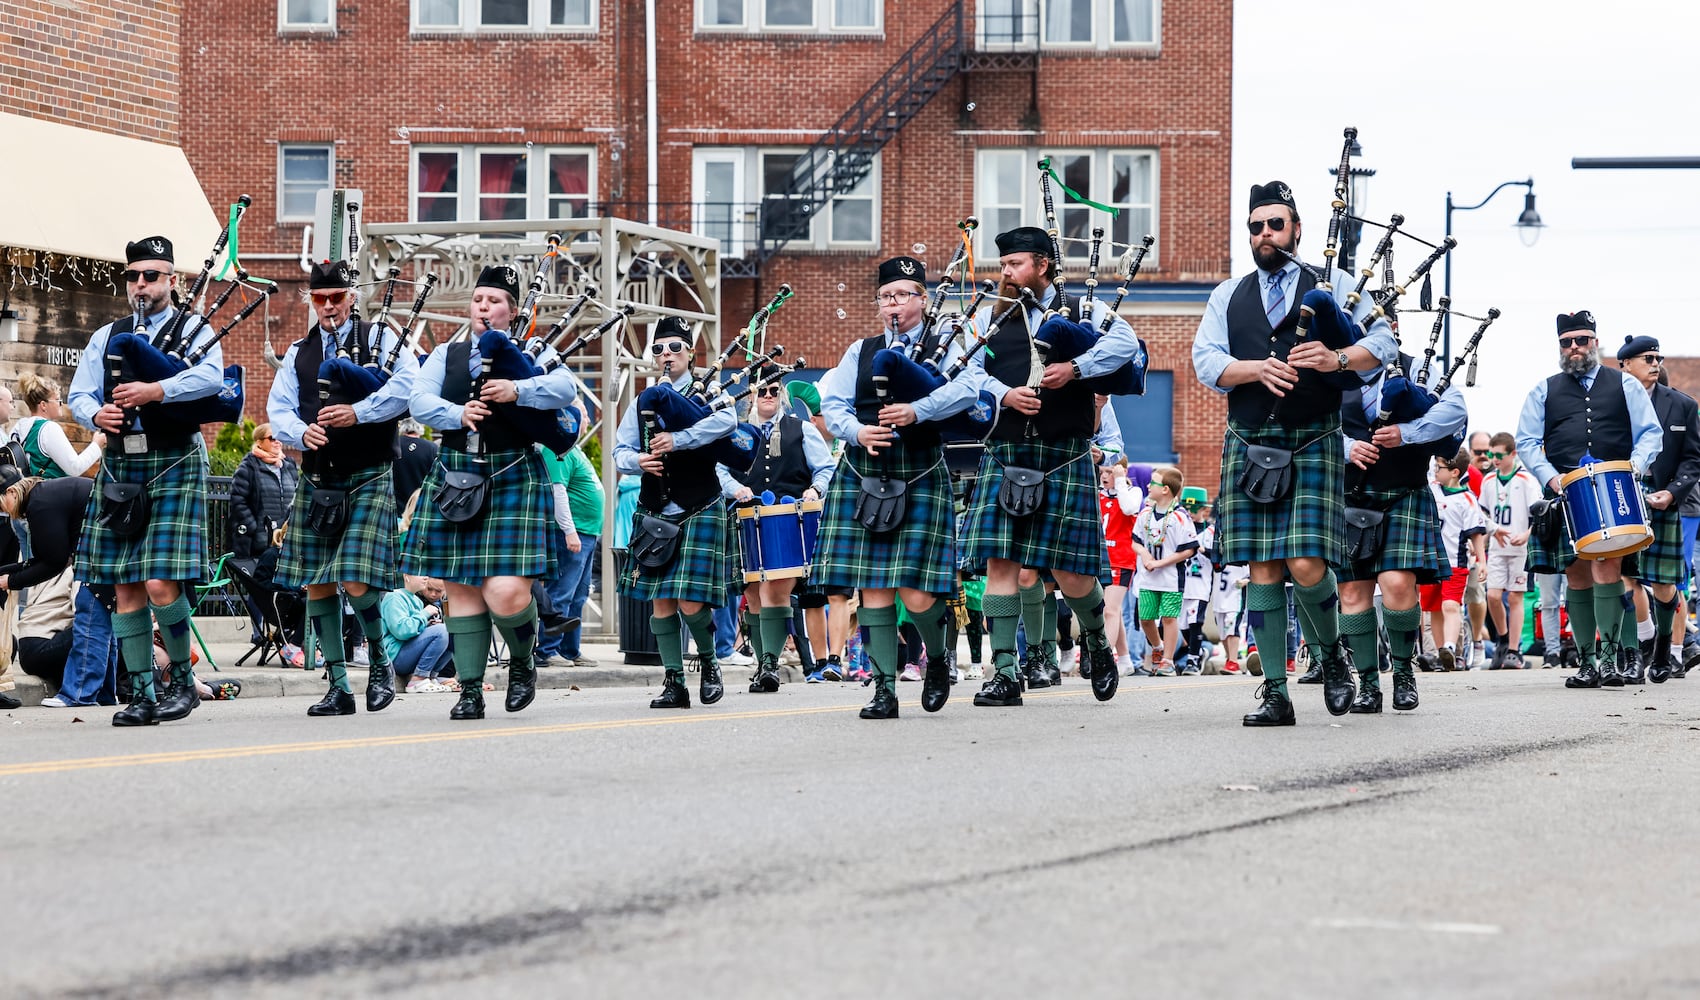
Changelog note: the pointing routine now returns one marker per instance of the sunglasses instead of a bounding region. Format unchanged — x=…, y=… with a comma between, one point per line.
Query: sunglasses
x=329, y=298
x=131, y=277
x=1582, y=341
x=1652, y=359
x=670, y=347
x=1275, y=225
x=1497, y=455
x=768, y=390
x=1484, y=453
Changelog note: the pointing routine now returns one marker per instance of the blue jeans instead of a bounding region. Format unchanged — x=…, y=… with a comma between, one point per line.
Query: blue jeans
x=569, y=592
x=1137, y=647
x=91, y=671
x=725, y=629
x=427, y=652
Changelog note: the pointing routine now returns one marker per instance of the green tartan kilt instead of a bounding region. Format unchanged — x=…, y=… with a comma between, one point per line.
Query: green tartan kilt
x=1310, y=521
x=697, y=573
x=920, y=553
x=365, y=550
x=1413, y=543
x=1660, y=562
x=1065, y=534
x=172, y=546
x=511, y=539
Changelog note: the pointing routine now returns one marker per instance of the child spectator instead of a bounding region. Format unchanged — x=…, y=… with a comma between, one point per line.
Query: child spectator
x=415, y=638
x=1200, y=578
x=1463, y=530
x=1506, y=494
x=1163, y=538
x=1119, y=502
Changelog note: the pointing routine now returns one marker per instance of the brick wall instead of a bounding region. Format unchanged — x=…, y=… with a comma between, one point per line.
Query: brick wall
x=110, y=66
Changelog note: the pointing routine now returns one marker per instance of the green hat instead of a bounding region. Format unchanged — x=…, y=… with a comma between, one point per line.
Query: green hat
x=804, y=394
x=1194, y=498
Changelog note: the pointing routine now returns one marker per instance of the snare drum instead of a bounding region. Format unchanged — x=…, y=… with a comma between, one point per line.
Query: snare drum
x=776, y=539
x=1603, y=510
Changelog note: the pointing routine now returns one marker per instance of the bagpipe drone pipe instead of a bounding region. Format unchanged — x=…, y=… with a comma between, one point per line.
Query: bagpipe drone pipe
x=674, y=411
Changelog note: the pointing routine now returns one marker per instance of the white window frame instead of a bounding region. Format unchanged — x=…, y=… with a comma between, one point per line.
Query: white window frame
x=824, y=21
x=467, y=199
x=1102, y=31
x=329, y=149
x=284, y=24
x=470, y=11
x=738, y=158
x=819, y=237
x=1032, y=203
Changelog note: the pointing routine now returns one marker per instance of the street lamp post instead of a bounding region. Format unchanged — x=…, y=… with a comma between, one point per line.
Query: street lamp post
x=1528, y=230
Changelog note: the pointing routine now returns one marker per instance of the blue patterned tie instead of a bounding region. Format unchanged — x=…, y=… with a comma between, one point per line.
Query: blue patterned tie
x=1277, y=308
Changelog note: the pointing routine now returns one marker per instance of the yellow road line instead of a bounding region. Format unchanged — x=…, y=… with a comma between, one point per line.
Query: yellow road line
x=313, y=746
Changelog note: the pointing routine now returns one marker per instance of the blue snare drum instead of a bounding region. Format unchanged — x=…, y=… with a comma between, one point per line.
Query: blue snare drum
x=1603, y=510
x=777, y=540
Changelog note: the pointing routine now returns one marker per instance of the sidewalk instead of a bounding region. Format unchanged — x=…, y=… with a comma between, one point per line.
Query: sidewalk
x=227, y=639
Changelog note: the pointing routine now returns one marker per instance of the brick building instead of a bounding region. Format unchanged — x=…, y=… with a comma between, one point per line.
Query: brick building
x=812, y=137
x=89, y=116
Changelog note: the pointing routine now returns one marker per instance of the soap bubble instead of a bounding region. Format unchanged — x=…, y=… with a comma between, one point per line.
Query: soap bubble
x=842, y=314
x=918, y=249
x=841, y=286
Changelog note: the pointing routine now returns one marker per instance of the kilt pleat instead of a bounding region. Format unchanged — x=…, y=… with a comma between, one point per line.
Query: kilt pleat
x=697, y=573
x=1413, y=542
x=920, y=553
x=1065, y=534
x=172, y=547
x=365, y=550
x=511, y=539
x=1660, y=562
x=1310, y=521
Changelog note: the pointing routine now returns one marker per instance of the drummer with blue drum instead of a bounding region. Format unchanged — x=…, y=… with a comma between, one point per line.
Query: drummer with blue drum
x=1586, y=429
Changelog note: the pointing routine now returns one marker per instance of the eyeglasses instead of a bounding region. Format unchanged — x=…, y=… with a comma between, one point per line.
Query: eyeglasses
x=670, y=347
x=329, y=298
x=1652, y=359
x=1275, y=225
x=895, y=298
x=768, y=390
x=131, y=277
x=1581, y=341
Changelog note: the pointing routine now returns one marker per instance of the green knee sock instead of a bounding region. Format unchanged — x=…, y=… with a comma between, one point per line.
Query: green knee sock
x=930, y=624
x=134, y=631
x=1003, y=612
x=1322, y=601
x=173, y=622
x=775, y=626
x=1580, y=603
x=881, y=644
x=669, y=644
x=469, y=644
x=519, y=631
x=1266, y=613
x=1664, y=617
x=1359, y=630
x=1033, y=617
x=1049, y=640
x=1089, y=612
x=326, y=615
x=1402, y=628
x=1608, y=614
x=371, y=622
x=752, y=625
x=701, y=625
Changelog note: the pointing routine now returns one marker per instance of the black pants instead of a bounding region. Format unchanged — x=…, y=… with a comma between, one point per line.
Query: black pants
x=45, y=658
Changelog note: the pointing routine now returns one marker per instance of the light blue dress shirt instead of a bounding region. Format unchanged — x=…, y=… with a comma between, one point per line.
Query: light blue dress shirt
x=88, y=385
x=283, y=404
x=628, y=442
x=838, y=392
x=1109, y=436
x=1448, y=416
x=1644, y=425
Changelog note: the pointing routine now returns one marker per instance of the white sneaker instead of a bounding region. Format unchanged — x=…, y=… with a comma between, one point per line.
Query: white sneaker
x=974, y=672
x=1124, y=666
x=55, y=702
x=737, y=659
x=360, y=657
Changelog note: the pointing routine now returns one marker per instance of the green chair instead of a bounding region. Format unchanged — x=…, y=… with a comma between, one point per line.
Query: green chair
x=220, y=583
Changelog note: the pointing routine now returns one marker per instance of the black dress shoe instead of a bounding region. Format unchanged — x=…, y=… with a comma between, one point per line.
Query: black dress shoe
x=1587, y=677
x=177, y=701
x=884, y=705
x=766, y=680
x=935, y=686
x=555, y=623
x=1053, y=674
x=7, y=702
x=1659, y=671
x=1337, y=686
x=138, y=713
x=709, y=687
x=1034, y=672
x=999, y=692
x=1105, y=675
x=673, y=695
x=1633, y=670
x=1425, y=663
x=471, y=703
x=1368, y=702
x=1404, y=691
x=1276, y=710
x=380, y=687
x=522, y=685
x=1611, y=665
x=1314, y=674
x=335, y=702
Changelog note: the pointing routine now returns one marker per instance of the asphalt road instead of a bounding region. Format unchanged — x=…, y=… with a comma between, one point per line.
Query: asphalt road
x=1509, y=838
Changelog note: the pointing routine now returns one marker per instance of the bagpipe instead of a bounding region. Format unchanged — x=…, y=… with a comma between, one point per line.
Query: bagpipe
x=749, y=338
x=670, y=410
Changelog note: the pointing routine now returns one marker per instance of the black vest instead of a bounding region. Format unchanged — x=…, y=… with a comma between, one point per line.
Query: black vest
x=1069, y=412
x=868, y=401
x=1596, y=422
x=1251, y=339
x=346, y=449
x=787, y=475
x=161, y=428
x=690, y=481
x=1404, y=467
x=497, y=434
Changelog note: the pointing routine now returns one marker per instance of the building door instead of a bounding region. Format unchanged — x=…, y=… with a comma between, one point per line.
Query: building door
x=717, y=194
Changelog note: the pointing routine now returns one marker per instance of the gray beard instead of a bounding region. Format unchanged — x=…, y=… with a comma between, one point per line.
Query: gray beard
x=1581, y=366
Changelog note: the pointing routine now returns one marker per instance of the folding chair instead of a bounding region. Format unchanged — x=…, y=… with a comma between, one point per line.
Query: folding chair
x=220, y=584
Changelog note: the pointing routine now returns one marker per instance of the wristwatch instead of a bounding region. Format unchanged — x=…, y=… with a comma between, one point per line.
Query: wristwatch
x=1344, y=361
x=1075, y=365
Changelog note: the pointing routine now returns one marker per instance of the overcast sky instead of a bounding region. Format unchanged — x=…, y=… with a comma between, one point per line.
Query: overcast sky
x=1449, y=95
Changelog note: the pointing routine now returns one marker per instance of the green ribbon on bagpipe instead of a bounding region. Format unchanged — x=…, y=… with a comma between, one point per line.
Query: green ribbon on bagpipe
x=230, y=257
x=1071, y=193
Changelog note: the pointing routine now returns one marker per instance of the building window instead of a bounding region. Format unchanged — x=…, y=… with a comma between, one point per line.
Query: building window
x=504, y=15
x=1078, y=24
x=306, y=15
x=789, y=15
x=302, y=172
x=737, y=211
x=492, y=183
x=1008, y=195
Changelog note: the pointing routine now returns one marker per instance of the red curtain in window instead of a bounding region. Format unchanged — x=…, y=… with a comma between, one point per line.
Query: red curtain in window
x=434, y=171
x=496, y=173
x=571, y=175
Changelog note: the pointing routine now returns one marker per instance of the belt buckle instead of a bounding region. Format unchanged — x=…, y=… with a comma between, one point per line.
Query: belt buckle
x=135, y=444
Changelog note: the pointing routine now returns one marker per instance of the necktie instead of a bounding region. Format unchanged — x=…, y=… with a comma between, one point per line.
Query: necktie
x=900, y=342
x=1277, y=308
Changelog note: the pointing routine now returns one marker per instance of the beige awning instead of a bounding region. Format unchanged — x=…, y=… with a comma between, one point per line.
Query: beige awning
x=84, y=193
